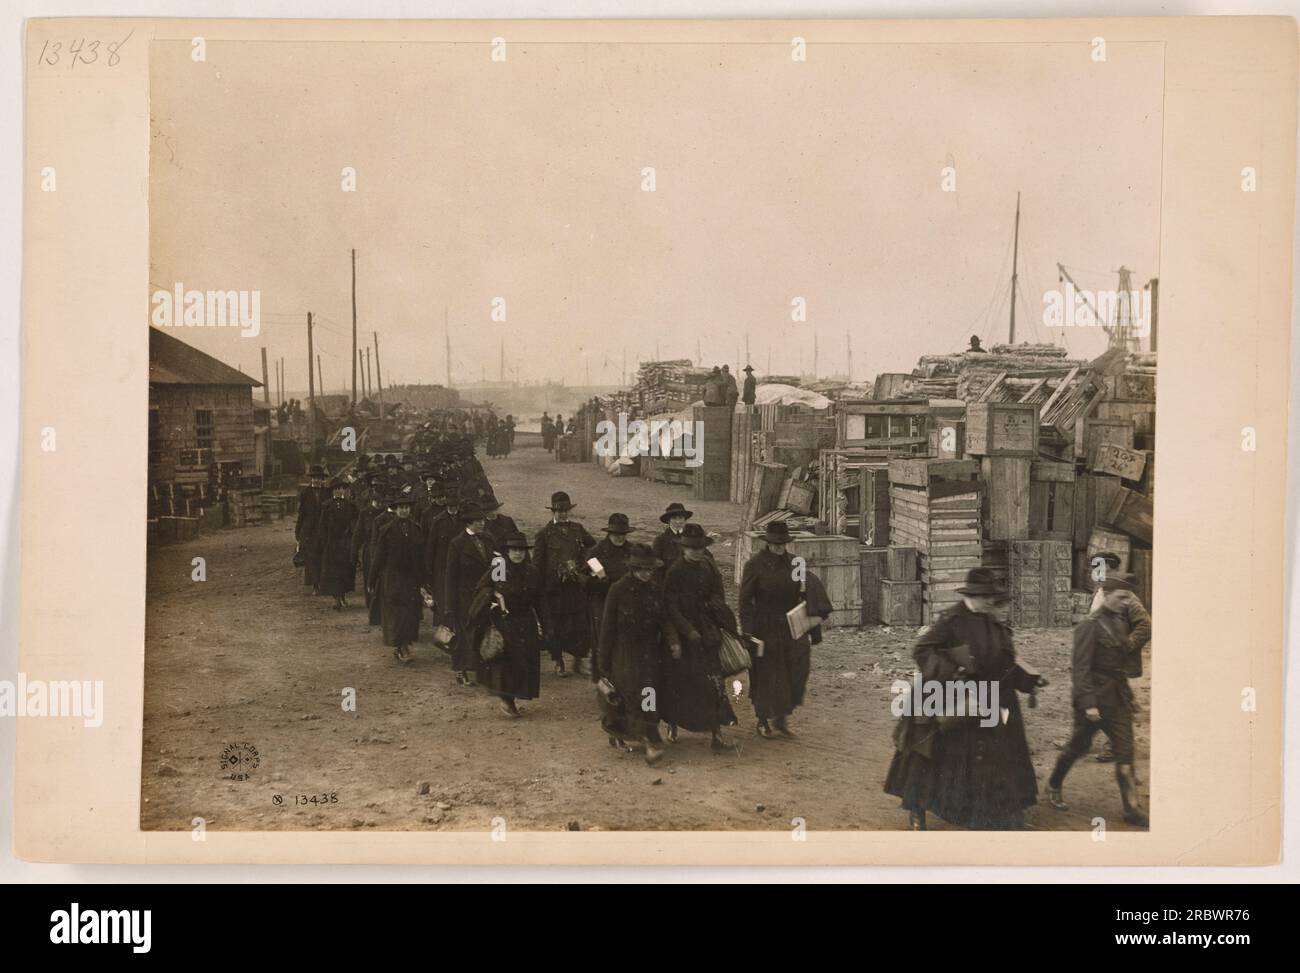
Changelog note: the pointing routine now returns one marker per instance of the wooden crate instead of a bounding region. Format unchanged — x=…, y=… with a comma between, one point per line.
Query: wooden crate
x=1132, y=512
x=899, y=426
x=1091, y=433
x=1051, y=501
x=1039, y=581
x=900, y=602
x=874, y=569
x=833, y=558
x=1002, y=429
x=873, y=506
x=712, y=477
x=902, y=564
x=1142, y=574
x=1006, y=497
x=947, y=438
x=1093, y=495
x=1117, y=460
x=922, y=472
x=765, y=484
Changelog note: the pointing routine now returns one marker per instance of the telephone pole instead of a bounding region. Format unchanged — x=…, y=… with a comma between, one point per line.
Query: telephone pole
x=311, y=385
x=446, y=327
x=1015, y=255
x=354, y=329
x=379, y=376
x=266, y=379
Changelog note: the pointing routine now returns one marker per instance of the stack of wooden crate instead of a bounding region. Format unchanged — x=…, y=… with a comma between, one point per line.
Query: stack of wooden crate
x=834, y=559
x=935, y=508
x=900, y=590
x=1039, y=580
x=1004, y=435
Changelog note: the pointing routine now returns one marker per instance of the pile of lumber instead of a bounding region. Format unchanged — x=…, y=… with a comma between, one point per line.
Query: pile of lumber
x=935, y=508
x=966, y=375
x=669, y=386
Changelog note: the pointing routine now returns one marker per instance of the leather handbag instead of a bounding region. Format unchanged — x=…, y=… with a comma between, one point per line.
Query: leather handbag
x=299, y=559
x=492, y=644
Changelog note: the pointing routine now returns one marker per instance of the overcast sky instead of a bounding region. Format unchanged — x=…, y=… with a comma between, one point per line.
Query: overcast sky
x=523, y=180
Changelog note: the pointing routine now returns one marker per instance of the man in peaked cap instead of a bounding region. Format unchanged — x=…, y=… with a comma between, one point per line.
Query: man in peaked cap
x=560, y=552
x=1134, y=612
x=1102, y=697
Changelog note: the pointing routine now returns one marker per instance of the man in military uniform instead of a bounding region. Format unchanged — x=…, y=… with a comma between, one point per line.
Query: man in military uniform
x=1102, y=698
x=750, y=395
x=560, y=553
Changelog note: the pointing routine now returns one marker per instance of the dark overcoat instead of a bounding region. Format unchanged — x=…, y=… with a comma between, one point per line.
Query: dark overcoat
x=395, y=574
x=517, y=671
x=307, y=532
x=636, y=635
x=338, y=574
x=468, y=557
x=777, y=679
x=974, y=776
x=559, y=553
x=668, y=548
x=694, y=697
x=438, y=535
x=613, y=558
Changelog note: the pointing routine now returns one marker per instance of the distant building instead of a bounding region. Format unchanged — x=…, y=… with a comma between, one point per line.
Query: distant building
x=201, y=417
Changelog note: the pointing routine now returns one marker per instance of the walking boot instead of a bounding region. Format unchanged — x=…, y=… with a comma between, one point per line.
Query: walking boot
x=716, y=744
x=782, y=727
x=1054, y=797
x=1128, y=795
x=653, y=753
x=916, y=821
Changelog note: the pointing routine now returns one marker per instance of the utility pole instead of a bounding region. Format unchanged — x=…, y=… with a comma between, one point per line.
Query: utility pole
x=354, y=329
x=311, y=385
x=320, y=374
x=503, y=361
x=379, y=376
x=848, y=356
x=814, y=370
x=1153, y=285
x=266, y=379
x=1015, y=256
x=446, y=327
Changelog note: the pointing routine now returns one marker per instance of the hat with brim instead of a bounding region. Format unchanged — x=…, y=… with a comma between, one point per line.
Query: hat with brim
x=642, y=558
x=560, y=501
x=469, y=512
x=748, y=368
x=981, y=582
x=675, y=510
x=1119, y=581
x=490, y=503
x=777, y=532
x=317, y=472
x=618, y=524
x=517, y=542
x=401, y=500
x=693, y=536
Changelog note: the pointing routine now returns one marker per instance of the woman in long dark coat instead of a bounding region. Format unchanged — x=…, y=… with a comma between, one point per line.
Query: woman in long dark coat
x=694, y=697
x=469, y=554
x=971, y=775
x=365, y=537
x=307, y=530
x=636, y=635
x=395, y=576
x=769, y=589
x=612, y=555
x=514, y=608
x=338, y=564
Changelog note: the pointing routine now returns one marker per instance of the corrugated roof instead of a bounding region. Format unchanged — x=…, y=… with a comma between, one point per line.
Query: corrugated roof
x=173, y=362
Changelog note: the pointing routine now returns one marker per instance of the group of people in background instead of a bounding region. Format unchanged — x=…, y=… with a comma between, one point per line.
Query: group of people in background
x=645, y=622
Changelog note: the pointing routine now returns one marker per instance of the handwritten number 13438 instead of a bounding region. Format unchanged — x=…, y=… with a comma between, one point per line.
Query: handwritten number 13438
x=87, y=52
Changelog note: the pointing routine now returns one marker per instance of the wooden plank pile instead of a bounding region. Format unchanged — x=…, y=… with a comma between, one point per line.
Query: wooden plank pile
x=935, y=508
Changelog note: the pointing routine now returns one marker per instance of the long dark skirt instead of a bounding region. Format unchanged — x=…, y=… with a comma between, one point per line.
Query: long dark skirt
x=517, y=671
x=310, y=548
x=693, y=696
x=971, y=776
x=375, y=604
x=778, y=680
x=568, y=632
x=400, y=615
x=338, y=571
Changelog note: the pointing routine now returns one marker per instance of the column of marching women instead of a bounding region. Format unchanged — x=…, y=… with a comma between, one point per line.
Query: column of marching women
x=649, y=624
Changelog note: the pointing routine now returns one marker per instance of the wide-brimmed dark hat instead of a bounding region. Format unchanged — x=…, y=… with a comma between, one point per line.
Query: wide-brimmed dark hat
x=1110, y=558
x=560, y=501
x=391, y=460
x=469, y=510
x=618, y=524
x=748, y=368
x=339, y=483
x=400, y=497
x=518, y=542
x=316, y=472
x=675, y=509
x=778, y=532
x=693, y=536
x=489, y=503
x=642, y=556
x=1119, y=581
x=981, y=581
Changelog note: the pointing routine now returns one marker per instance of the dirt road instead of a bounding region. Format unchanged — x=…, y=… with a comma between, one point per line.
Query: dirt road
x=249, y=665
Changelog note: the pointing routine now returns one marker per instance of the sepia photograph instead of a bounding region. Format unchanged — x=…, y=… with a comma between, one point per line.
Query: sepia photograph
x=645, y=436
